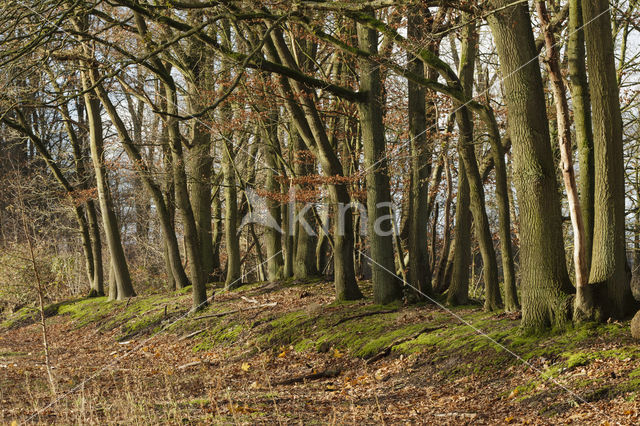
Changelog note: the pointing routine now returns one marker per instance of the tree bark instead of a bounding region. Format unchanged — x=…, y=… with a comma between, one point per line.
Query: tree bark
x=545, y=282
x=110, y=222
x=386, y=285
x=608, y=276
x=419, y=270
x=566, y=157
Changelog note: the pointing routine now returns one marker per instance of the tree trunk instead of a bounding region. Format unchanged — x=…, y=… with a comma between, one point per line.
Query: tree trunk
x=303, y=163
x=581, y=103
x=271, y=148
x=312, y=130
x=466, y=151
x=96, y=249
x=545, y=283
x=110, y=222
x=439, y=272
x=191, y=236
x=459, y=287
x=419, y=270
x=386, y=285
x=582, y=304
x=145, y=175
x=608, y=277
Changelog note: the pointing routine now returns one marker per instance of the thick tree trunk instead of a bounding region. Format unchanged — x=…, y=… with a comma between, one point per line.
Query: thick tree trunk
x=545, y=283
x=608, y=276
x=386, y=285
x=200, y=163
x=200, y=171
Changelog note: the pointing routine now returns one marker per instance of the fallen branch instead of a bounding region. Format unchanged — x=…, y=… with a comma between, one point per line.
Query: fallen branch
x=326, y=374
x=387, y=350
x=195, y=333
x=250, y=308
x=193, y=364
x=362, y=315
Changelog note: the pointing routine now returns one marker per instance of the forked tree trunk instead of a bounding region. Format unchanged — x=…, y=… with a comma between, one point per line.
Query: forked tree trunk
x=110, y=222
x=312, y=130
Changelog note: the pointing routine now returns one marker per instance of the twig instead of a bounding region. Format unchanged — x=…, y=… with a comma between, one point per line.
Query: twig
x=194, y=363
x=221, y=314
x=387, y=350
x=362, y=315
x=195, y=333
x=331, y=372
x=43, y=324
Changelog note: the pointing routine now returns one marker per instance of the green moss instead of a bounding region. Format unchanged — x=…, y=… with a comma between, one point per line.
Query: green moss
x=376, y=345
x=635, y=373
x=223, y=333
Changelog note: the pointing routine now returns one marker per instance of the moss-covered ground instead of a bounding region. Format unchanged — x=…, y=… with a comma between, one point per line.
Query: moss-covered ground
x=293, y=324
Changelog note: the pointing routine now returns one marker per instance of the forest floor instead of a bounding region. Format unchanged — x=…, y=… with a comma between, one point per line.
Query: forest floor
x=286, y=353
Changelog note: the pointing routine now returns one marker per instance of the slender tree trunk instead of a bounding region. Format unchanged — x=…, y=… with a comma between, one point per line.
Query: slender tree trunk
x=386, y=285
x=466, y=151
x=439, y=272
x=275, y=260
x=545, y=282
x=303, y=163
x=216, y=235
x=110, y=222
x=191, y=236
x=459, y=287
x=419, y=271
x=581, y=104
x=96, y=249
